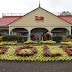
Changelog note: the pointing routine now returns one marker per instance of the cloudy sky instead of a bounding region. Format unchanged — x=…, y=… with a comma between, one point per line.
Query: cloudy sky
x=24, y=6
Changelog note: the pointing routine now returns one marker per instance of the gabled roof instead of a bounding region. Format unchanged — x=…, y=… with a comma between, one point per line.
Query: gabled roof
x=67, y=18
x=5, y=21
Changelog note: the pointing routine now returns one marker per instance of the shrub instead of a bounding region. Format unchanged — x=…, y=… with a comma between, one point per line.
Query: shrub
x=47, y=42
x=12, y=38
x=66, y=43
x=69, y=36
x=31, y=42
x=57, y=38
x=9, y=38
x=8, y=42
x=32, y=36
x=19, y=38
x=48, y=35
x=67, y=40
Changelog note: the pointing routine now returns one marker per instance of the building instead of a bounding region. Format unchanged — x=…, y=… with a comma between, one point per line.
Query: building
x=38, y=21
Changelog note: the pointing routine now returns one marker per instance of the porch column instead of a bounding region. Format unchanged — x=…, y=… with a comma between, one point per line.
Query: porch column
x=12, y=32
x=49, y=29
x=29, y=33
x=9, y=30
x=70, y=30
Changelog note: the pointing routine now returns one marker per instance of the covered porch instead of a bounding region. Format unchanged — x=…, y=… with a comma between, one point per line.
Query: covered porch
x=61, y=31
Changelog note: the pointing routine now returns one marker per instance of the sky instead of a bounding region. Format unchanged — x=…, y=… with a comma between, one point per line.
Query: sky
x=24, y=6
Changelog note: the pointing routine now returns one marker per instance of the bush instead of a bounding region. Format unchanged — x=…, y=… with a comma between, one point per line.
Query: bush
x=9, y=38
x=31, y=42
x=69, y=36
x=57, y=38
x=47, y=42
x=19, y=38
x=48, y=35
x=32, y=36
x=67, y=40
x=8, y=42
x=12, y=38
x=66, y=43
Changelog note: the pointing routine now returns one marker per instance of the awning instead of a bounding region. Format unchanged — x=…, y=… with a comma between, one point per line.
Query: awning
x=57, y=31
x=23, y=31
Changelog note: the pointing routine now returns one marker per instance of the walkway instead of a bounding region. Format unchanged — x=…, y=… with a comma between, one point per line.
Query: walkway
x=28, y=66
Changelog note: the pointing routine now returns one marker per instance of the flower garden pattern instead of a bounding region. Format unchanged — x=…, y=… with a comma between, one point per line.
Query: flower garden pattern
x=47, y=52
x=33, y=51
x=3, y=49
x=39, y=56
x=67, y=48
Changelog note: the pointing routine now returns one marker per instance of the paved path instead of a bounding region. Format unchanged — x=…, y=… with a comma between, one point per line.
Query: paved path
x=28, y=66
x=38, y=44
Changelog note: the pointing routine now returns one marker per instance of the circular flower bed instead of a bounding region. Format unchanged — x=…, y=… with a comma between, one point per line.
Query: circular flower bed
x=19, y=49
x=3, y=49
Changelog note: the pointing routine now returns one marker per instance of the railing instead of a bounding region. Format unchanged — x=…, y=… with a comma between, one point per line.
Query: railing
x=21, y=14
x=13, y=14
x=56, y=13
x=59, y=13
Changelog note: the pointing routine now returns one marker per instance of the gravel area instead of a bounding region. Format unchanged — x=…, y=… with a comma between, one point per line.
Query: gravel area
x=28, y=66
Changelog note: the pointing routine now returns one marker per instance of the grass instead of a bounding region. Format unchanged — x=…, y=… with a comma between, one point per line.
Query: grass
x=10, y=54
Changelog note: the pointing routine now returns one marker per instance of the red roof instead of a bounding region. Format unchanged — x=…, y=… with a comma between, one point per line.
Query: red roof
x=4, y=21
x=67, y=18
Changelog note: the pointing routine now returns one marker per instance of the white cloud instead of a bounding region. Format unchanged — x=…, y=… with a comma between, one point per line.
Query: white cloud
x=23, y=6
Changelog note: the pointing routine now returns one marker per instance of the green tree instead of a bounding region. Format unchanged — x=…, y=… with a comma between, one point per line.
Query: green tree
x=65, y=13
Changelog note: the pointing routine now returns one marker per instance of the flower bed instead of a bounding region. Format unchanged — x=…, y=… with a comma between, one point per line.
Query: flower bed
x=47, y=42
x=39, y=56
x=25, y=53
x=47, y=52
x=41, y=42
x=67, y=48
x=8, y=43
x=3, y=49
x=66, y=43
